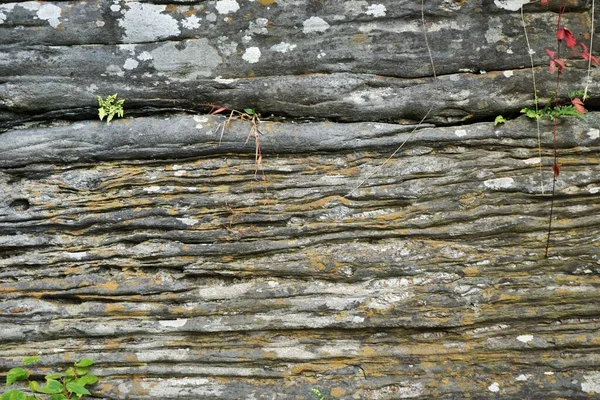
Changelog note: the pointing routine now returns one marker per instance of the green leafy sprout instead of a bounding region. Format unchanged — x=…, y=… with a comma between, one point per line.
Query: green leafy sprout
x=318, y=394
x=110, y=107
x=70, y=384
x=499, y=120
x=552, y=111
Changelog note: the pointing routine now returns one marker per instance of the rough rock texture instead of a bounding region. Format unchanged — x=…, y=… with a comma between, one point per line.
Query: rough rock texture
x=150, y=246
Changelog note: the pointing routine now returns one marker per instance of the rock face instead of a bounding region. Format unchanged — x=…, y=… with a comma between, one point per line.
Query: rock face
x=160, y=248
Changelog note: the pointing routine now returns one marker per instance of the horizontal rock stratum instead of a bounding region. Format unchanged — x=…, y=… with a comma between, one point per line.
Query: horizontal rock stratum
x=160, y=248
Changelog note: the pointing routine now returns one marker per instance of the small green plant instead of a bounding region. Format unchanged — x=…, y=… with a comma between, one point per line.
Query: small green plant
x=69, y=384
x=499, y=120
x=554, y=111
x=318, y=394
x=110, y=107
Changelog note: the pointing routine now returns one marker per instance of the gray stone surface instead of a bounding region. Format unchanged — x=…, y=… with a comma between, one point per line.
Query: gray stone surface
x=346, y=60
x=153, y=246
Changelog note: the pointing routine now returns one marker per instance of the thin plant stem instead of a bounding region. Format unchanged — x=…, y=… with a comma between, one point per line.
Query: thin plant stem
x=589, y=69
x=535, y=96
x=555, y=166
x=435, y=79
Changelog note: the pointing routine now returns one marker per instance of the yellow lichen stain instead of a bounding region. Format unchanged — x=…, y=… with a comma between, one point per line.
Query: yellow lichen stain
x=266, y=2
x=113, y=308
x=360, y=38
x=137, y=386
x=470, y=271
x=337, y=392
x=131, y=357
x=368, y=351
x=112, y=344
x=111, y=285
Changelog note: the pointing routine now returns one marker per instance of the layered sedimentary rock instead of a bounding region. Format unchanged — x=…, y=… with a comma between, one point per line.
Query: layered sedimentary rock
x=160, y=248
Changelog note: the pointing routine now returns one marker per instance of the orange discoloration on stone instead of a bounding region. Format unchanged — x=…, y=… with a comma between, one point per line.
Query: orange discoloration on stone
x=111, y=285
x=337, y=392
x=137, y=386
x=131, y=357
x=266, y=2
x=114, y=309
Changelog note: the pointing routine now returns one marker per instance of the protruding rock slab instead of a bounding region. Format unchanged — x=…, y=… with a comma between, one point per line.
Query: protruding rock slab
x=152, y=248
x=340, y=59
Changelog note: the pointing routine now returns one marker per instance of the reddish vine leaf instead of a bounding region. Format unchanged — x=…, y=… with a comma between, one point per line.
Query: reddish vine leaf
x=566, y=35
x=544, y=2
x=586, y=54
x=556, y=169
x=578, y=104
x=554, y=62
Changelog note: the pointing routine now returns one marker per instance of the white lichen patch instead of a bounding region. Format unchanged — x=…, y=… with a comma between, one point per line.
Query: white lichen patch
x=251, y=55
x=510, y=5
x=226, y=47
x=130, y=64
x=499, y=183
x=525, y=338
x=51, y=13
x=197, y=59
x=357, y=320
x=5, y=8
x=508, y=74
x=594, y=133
x=114, y=70
x=258, y=27
x=144, y=22
x=225, y=81
x=460, y=132
x=144, y=56
x=191, y=22
x=79, y=255
x=594, y=190
x=494, y=387
x=153, y=189
x=44, y=11
x=494, y=32
x=314, y=25
x=199, y=121
x=188, y=221
x=533, y=161
x=521, y=378
x=174, y=323
x=227, y=6
x=376, y=10
x=591, y=382
x=283, y=47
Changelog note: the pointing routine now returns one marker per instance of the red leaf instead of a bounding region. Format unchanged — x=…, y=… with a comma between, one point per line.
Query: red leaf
x=560, y=33
x=556, y=169
x=584, y=47
x=216, y=110
x=560, y=63
x=550, y=53
x=552, y=67
x=544, y=2
x=570, y=39
x=578, y=105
